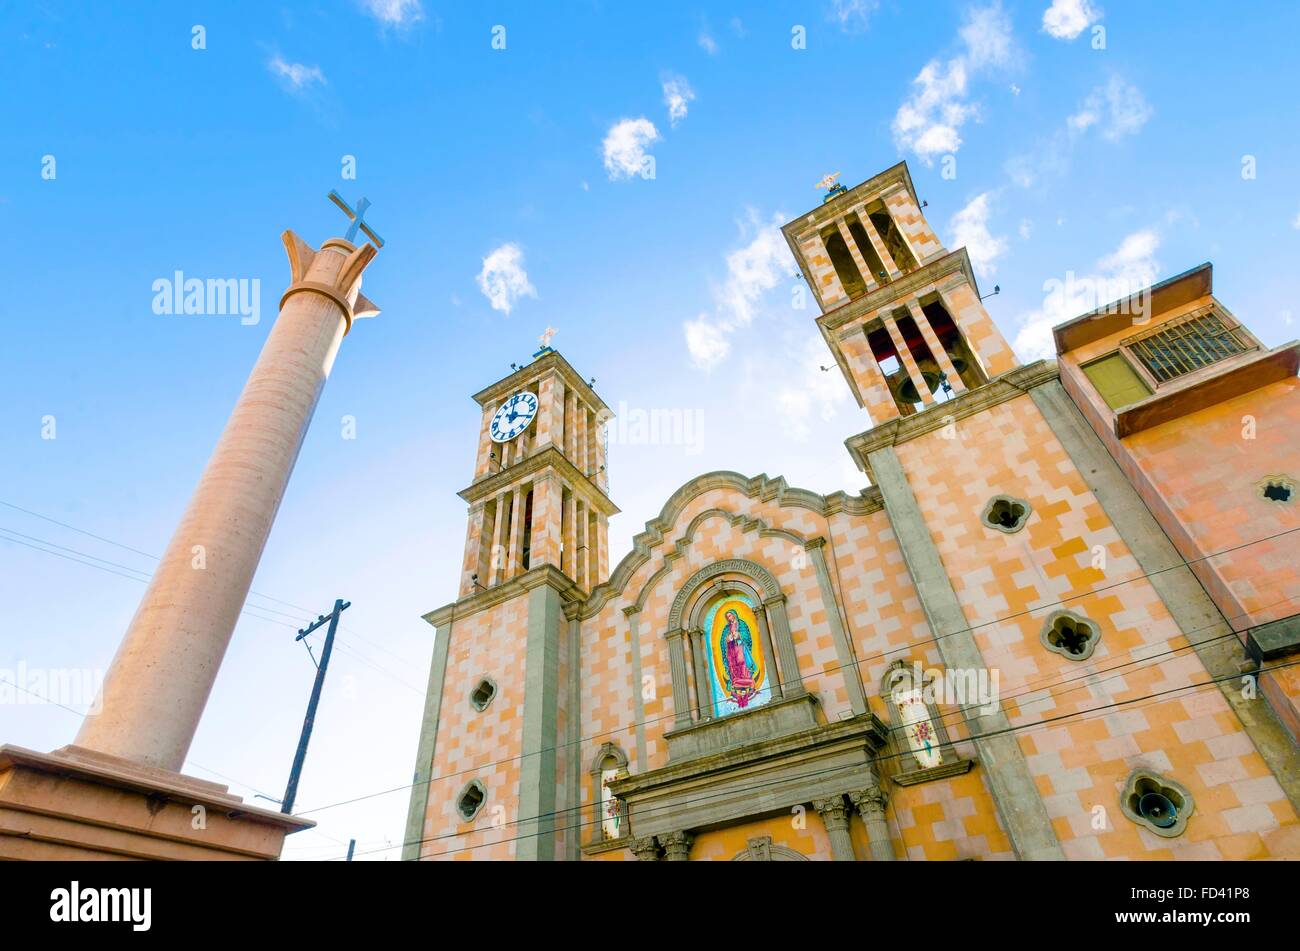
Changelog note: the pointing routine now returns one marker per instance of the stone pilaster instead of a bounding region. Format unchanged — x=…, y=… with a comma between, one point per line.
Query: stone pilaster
x=835, y=817
x=870, y=803
x=677, y=669
x=791, y=681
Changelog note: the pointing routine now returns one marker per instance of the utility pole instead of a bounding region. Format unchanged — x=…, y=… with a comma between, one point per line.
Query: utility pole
x=291, y=791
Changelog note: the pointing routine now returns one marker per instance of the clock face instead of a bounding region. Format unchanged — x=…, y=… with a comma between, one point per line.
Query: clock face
x=513, y=417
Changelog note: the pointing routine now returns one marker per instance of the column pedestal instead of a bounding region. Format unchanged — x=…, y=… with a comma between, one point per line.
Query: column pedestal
x=76, y=804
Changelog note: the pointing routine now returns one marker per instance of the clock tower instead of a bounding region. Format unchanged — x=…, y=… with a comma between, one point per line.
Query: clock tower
x=493, y=773
x=539, y=491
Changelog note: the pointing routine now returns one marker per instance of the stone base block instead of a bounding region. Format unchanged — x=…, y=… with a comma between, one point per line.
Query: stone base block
x=76, y=804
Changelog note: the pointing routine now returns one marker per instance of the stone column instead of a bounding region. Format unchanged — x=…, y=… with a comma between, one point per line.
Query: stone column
x=646, y=850
x=936, y=348
x=869, y=281
x=773, y=677
x=570, y=566
x=791, y=681
x=677, y=846
x=870, y=803
x=835, y=816
x=497, y=557
x=878, y=242
x=703, y=688
x=677, y=668
x=159, y=681
x=514, y=550
x=906, y=359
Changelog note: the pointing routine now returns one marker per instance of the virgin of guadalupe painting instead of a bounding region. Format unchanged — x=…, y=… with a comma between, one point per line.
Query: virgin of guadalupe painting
x=738, y=669
x=918, y=728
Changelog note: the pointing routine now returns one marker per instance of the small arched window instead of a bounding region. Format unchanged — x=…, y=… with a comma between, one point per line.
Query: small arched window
x=609, y=818
x=919, y=747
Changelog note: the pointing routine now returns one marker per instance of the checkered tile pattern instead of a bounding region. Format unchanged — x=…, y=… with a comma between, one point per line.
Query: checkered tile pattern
x=1008, y=584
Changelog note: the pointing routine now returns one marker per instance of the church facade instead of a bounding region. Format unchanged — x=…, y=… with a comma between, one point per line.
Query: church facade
x=1060, y=624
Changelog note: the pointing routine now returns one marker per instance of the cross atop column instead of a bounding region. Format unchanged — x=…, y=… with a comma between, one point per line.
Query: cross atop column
x=357, y=218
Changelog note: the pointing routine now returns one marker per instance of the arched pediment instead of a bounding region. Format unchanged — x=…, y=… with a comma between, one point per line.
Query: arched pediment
x=759, y=487
x=743, y=566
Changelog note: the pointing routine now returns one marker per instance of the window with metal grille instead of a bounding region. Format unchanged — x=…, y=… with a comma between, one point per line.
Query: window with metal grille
x=1188, y=343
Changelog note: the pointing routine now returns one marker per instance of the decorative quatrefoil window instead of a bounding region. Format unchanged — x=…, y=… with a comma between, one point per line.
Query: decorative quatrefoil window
x=1006, y=514
x=1278, y=488
x=482, y=694
x=471, y=800
x=1158, y=804
x=1071, y=635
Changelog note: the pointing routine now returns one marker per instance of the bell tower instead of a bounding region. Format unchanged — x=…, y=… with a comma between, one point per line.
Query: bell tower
x=539, y=491
x=900, y=312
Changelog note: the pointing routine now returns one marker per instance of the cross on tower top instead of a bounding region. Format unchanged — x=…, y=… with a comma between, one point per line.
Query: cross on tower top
x=357, y=218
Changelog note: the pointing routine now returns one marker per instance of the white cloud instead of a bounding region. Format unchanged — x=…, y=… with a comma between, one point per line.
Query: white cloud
x=752, y=271
x=677, y=94
x=707, y=42
x=970, y=229
x=929, y=122
x=706, y=341
x=1026, y=228
x=1117, y=109
x=1066, y=19
x=296, y=76
x=625, y=146
x=503, y=279
x=394, y=13
x=852, y=15
x=810, y=389
x=987, y=35
x=1129, y=268
x=1295, y=222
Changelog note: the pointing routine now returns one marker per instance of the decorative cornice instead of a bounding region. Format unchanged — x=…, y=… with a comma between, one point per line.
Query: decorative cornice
x=520, y=584
x=742, y=566
x=942, y=771
x=535, y=370
x=955, y=262
x=549, y=456
x=1008, y=386
x=868, y=729
x=847, y=201
x=760, y=487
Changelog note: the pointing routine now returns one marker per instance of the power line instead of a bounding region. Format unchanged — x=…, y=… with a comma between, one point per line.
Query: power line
x=249, y=610
x=822, y=673
x=108, y=541
x=857, y=766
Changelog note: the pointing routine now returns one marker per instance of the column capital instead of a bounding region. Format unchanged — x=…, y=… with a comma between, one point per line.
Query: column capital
x=342, y=286
x=869, y=800
x=677, y=846
x=645, y=849
x=834, y=813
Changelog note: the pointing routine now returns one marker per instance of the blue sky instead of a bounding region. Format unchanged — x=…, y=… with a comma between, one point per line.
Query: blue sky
x=500, y=180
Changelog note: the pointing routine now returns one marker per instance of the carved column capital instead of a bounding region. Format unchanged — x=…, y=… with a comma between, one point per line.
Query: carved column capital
x=871, y=800
x=677, y=846
x=645, y=849
x=834, y=813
